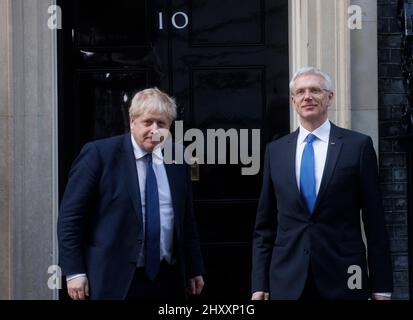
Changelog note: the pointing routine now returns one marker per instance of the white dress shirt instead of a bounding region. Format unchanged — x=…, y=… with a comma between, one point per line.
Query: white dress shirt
x=165, y=200
x=320, y=146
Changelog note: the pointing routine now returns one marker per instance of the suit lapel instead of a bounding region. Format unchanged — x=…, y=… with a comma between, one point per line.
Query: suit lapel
x=334, y=147
x=290, y=167
x=130, y=177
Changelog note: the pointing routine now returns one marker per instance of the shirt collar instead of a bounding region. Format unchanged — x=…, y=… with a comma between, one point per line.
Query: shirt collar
x=140, y=153
x=322, y=132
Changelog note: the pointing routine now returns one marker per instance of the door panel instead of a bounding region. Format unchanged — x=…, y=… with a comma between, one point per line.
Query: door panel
x=230, y=70
x=103, y=98
x=108, y=24
x=221, y=23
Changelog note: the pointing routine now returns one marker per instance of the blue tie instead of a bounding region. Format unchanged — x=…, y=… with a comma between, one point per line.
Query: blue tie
x=307, y=174
x=152, y=222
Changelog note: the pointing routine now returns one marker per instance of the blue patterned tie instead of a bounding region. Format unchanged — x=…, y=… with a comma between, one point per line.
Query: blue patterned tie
x=307, y=174
x=152, y=222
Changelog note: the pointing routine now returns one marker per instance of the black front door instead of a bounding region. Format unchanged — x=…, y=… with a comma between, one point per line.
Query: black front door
x=225, y=61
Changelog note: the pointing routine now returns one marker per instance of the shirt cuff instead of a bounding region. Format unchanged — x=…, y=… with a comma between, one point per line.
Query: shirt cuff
x=384, y=294
x=74, y=276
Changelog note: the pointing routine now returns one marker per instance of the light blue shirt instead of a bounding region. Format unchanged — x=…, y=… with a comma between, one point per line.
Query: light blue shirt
x=320, y=145
x=165, y=200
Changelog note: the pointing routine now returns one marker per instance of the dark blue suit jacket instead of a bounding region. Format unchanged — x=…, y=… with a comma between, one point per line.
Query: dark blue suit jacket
x=288, y=240
x=100, y=221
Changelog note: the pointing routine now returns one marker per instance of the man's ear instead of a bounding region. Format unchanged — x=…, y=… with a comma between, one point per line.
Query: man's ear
x=330, y=97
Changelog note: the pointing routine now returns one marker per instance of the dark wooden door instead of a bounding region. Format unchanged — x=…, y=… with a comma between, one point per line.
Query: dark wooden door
x=225, y=61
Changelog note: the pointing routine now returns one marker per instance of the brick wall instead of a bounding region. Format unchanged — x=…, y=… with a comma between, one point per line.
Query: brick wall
x=393, y=171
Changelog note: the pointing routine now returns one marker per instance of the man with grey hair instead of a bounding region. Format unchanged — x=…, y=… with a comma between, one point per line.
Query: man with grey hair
x=308, y=239
x=126, y=226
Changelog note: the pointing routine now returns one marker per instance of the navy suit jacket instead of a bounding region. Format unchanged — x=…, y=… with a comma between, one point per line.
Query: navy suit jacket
x=100, y=227
x=288, y=240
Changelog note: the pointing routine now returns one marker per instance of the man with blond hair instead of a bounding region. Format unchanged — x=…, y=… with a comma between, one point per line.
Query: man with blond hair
x=126, y=226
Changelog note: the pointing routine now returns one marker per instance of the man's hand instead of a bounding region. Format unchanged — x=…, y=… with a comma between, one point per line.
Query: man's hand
x=78, y=288
x=195, y=285
x=260, y=295
x=379, y=297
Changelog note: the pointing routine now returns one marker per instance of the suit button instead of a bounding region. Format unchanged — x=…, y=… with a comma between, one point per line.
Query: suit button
x=306, y=252
x=139, y=241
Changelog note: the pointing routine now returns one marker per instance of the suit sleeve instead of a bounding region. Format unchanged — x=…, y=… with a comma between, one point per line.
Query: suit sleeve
x=194, y=261
x=379, y=260
x=264, y=231
x=76, y=204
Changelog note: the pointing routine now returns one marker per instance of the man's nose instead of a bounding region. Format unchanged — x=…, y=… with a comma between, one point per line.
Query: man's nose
x=154, y=127
x=307, y=95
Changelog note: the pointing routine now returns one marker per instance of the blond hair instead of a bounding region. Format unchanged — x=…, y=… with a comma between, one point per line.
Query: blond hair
x=152, y=100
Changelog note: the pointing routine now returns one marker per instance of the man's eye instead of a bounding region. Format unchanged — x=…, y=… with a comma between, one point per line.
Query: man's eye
x=316, y=90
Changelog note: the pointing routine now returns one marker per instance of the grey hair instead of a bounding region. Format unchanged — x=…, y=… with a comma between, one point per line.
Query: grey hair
x=153, y=100
x=312, y=70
